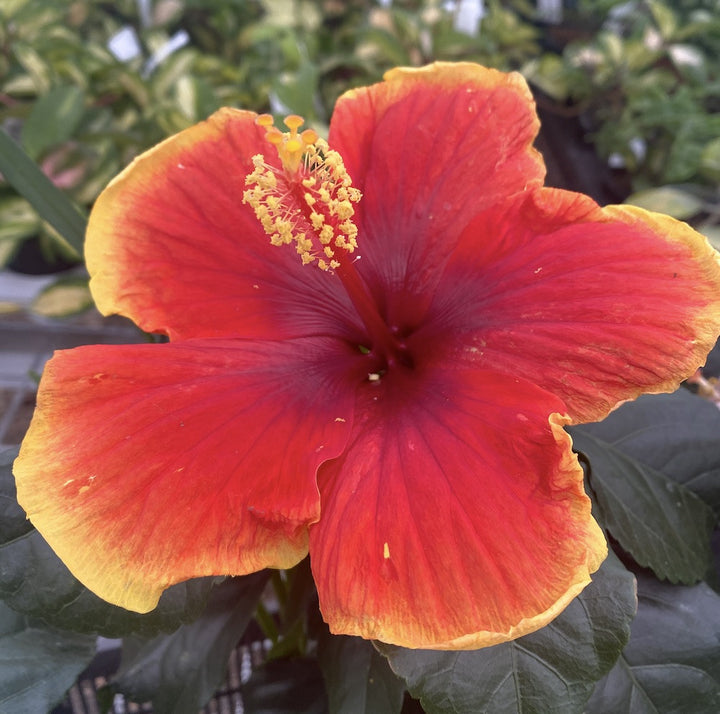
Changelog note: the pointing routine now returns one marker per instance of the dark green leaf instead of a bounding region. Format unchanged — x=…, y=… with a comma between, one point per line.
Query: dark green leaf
x=48, y=200
x=34, y=582
x=672, y=689
x=299, y=592
x=676, y=434
x=660, y=523
x=37, y=666
x=358, y=678
x=551, y=670
x=672, y=662
x=678, y=622
x=287, y=686
x=53, y=119
x=179, y=672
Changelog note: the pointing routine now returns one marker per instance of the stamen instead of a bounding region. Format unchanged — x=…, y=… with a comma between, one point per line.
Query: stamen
x=309, y=199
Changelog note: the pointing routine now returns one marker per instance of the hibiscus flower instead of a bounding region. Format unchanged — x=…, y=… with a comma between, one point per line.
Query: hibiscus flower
x=374, y=346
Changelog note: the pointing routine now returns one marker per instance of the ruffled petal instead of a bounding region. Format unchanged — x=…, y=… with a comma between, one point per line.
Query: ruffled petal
x=596, y=305
x=146, y=465
x=430, y=148
x=171, y=245
x=456, y=518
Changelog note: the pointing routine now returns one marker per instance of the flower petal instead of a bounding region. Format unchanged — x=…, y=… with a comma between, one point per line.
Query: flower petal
x=456, y=518
x=171, y=245
x=430, y=148
x=146, y=465
x=595, y=305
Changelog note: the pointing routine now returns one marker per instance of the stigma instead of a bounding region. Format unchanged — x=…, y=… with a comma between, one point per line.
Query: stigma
x=308, y=200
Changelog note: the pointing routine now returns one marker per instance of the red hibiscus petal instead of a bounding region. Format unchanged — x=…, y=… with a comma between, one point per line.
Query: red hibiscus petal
x=171, y=245
x=430, y=148
x=596, y=305
x=456, y=518
x=150, y=464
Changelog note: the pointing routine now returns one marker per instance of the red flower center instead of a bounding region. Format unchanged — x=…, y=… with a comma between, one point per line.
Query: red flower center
x=308, y=201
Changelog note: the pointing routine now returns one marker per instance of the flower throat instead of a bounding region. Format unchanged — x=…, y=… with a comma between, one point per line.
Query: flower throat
x=309, y=201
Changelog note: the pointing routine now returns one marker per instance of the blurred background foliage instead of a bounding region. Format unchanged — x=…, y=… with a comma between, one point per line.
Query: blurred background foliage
x=87, y=85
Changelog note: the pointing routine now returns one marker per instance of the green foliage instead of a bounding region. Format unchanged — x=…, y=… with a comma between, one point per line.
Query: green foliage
x=358, y=678
x=674, y=434
x=37, y=664
x=63, y=298
x=53, y=119
x=662, y=524
x=646, y=83
x=179, y=672
x=49, y=202
x=553, y=669
x=676, y=201
x=286, y=685
x=671, y=663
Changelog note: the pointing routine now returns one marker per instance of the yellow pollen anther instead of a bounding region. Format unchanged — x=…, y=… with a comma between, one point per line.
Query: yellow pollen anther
x=344, y=210
x=326, y=234
x=307, y=200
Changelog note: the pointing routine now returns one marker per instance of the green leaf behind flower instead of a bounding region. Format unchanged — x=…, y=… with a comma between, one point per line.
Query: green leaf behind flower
x=551, y=670
x=179, y=672
x=286, y=686
x=672, y=200
x=37, y=665
x=48, y=200
x=676, y=434
x=672, y=663
x=662, y=524
x=53, y=119
x=36, y=583
x=63, y=298
x=357, y=677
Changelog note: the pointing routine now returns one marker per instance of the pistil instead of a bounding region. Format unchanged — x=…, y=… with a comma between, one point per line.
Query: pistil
x=309, y=201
